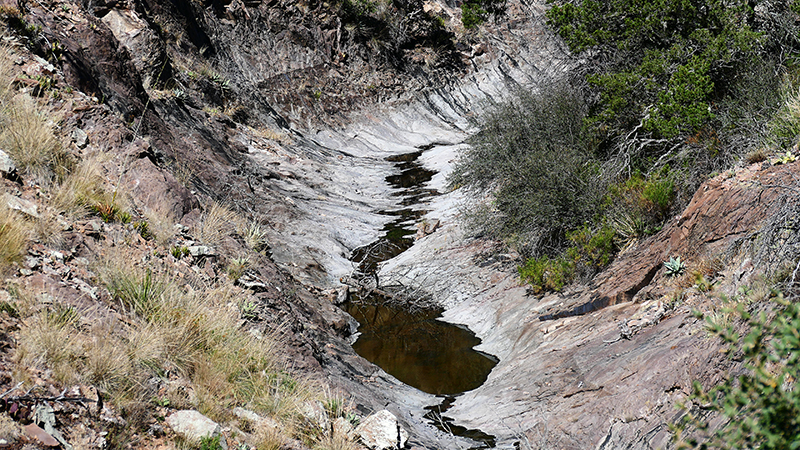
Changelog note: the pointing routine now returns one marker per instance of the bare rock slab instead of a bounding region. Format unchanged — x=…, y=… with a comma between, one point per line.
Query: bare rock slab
x=382, y=431
x=7, y=167
x=193, y=426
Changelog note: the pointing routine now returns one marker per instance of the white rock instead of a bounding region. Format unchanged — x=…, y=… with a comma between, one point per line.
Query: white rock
x=23, y=206
x=193, y=426
x=315, y=415
x=257, y=420
x=7, y=166
x=201, y=250
x=379, y=431
x=80, y=137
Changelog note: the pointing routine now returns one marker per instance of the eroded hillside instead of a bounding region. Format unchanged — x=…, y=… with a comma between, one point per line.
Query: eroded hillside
x=187, y=182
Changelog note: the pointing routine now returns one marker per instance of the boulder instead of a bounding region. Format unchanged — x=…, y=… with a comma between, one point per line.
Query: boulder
x=382, y=431
x=7, y=167
x=201, y=250
x=24, y=206
x=193, y=426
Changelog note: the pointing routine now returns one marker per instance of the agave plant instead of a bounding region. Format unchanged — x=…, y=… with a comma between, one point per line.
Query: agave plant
x=675, y=266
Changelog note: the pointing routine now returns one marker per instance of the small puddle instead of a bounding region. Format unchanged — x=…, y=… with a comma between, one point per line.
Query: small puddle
x=433, y=356
x=411, y=344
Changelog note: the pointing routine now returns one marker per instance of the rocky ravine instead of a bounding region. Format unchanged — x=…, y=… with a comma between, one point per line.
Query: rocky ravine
x=604, y=365
x=272, y=108
x=248, y=104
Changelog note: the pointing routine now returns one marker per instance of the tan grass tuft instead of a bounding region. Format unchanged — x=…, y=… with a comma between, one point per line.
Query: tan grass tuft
x=9, y=429
x=84, y=190
x=15, y=233
x=161, y=222
x=27, y=137
x=216, y=223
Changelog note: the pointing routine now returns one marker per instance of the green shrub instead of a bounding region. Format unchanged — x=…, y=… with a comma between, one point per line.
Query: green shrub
x=670, y=60
x=594, y=249
x=659, y=193
x=546, y=274
x=534, y=157
x=475, y=12
x=762, y=406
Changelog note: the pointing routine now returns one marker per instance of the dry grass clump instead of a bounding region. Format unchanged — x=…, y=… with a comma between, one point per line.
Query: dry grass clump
x=337, y=441
x=27, y=136
x=25, y=130
x=80, y=189
x=197, y=335
x=84, y=191
x=254, y=235
x=9, y=429
x=15, y=233
x=161, y=222
x=217, y=222
x=756, y=156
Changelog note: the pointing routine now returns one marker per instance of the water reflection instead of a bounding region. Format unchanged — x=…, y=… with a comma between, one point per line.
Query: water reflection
x=431, y=355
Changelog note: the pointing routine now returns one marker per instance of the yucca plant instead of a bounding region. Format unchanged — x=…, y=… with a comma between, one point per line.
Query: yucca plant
x=674, y=266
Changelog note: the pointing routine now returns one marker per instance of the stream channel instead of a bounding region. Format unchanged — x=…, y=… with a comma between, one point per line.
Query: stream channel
x=408, y=341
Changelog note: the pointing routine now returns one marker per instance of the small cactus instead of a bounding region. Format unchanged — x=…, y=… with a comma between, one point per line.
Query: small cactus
x=674, y=266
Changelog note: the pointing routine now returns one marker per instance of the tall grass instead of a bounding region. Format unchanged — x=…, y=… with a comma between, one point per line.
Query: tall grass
x=217, y=222
x=15, y=234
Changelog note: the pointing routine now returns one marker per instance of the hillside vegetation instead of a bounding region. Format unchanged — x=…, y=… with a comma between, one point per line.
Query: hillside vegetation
x=109, y=303
x=666, y=97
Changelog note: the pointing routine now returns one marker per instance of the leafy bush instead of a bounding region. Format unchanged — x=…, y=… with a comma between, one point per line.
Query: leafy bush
x=547, y=274
x=475, y=12
x=535, y=159
x=762, y=406
x=668, y=60
x=591, y=251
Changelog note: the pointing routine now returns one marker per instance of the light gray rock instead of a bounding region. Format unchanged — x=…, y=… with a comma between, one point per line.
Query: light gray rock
x=315, y=415
x=343, y=427
x=257, y=420
x=80, y=138
x=381, y=431
x=202, y=250
x=7, y=167
x=24, y=206
x=193, y=426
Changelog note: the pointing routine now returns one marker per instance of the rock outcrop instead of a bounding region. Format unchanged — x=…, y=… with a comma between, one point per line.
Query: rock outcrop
x=602, y=365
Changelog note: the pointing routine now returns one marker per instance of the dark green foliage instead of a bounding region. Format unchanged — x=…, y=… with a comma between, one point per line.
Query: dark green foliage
x=359, y=8
x=590, y=251
x=763, y=404
x=666, y=60
x=210, y=443
x=475, y=12
x=535, y=157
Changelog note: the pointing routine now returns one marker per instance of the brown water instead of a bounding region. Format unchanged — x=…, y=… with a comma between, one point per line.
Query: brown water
x=412, y=345
x=431, y=355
